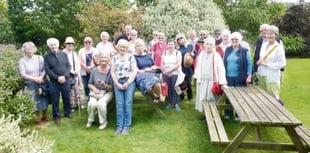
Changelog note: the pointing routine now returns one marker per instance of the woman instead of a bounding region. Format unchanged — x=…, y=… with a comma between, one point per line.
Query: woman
x=123, y=72
x=158, y=48
x=132, y=42
x=210, y=68
x=271, y=61
x=100, y=85
x=31, y=68
x=105, y=46
x=86, y=56
x=76, y=93
x=226, y=42
x=170, y=65
x=238, y=66
x=147, y=80
x=184, y=47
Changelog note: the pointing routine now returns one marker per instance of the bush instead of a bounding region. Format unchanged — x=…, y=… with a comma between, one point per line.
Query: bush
x=294, y=45
x=295, y=22
x=11, y=100
x=15, y=140
x=173, y=17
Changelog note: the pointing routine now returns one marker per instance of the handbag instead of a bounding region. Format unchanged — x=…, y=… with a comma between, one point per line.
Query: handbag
x=97, y=96
x=43, y=89
x=216, y=87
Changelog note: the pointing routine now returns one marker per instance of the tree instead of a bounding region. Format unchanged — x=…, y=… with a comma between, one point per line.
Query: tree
x=173, y=17
x=6, y=33
x=37, y=20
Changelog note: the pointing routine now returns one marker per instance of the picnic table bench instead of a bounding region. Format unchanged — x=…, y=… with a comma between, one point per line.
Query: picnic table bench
x=255, y=109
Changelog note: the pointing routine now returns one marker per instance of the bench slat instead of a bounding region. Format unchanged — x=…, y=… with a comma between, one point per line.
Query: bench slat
x=216, y=128
x=304, y=134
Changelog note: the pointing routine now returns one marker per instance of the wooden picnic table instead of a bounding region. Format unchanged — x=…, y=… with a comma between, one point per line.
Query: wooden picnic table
x=255, y=109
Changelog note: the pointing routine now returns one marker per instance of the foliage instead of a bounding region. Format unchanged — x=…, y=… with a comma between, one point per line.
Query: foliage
x=11, y=102
x=37, y=20
x=296, y=22
x=173, y=17
x=13, y=139
x=96, y=17
x=248, y=15
x=294, y=45
x=6, y=33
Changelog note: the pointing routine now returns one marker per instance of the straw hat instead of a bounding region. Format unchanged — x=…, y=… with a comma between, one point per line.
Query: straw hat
x=188, y=60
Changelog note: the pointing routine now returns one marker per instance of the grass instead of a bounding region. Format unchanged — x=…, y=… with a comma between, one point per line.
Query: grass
x=181, y=132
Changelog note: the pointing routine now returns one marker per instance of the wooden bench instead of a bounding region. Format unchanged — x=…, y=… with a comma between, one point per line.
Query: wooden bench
x=215, y=125
x=304, y=134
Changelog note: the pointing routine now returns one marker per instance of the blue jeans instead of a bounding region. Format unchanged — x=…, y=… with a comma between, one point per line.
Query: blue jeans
x=173, y=97
x=233, y=82
x=85, y=79
x=124, y=100
x=54, y=89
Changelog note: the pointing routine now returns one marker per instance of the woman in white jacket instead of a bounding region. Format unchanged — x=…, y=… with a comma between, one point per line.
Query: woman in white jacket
x=204, y=73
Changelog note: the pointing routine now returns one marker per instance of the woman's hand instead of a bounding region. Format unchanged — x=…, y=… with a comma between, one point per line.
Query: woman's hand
x=249, y=79
x=119, y=86
x=125, y=85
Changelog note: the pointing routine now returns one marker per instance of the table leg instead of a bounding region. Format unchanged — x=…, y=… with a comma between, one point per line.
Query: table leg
x=295, y=138
x=258, y=135
x=233, y=145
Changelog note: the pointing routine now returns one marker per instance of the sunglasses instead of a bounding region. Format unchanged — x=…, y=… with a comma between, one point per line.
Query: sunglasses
x=179, y=38
x=69, y=43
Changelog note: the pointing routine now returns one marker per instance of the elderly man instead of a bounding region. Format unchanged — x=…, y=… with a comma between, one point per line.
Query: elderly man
x=57, y=67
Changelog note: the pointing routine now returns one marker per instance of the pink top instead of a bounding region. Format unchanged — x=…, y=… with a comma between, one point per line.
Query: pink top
x=157, y=51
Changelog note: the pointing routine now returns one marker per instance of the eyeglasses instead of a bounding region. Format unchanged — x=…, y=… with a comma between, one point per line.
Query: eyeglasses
x=179, y=38
x=160, y=38
x=234, y=39
x=263, y=30
x=69, y=43
x=154, y=34
x=87, y=42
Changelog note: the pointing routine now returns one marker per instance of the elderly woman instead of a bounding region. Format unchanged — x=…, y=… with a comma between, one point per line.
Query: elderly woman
x=158, y=48
x=76, y=93
x=123, y=72
x=132, y=42
x=147, y=80
x=170, y=65
x=86, y=56
x=225, y=37
x=210, y=68
x=238, y=66
x=184, y=47
x=100, y=85
x=31, y=68
x=105, y=46
x=271, y=61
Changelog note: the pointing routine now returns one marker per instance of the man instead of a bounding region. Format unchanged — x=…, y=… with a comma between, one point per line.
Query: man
x=217, y=37
x=259, y=44
x=125, y=35
x=57, y=67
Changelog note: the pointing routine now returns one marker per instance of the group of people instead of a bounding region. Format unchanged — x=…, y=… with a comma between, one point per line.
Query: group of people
x=118, y=68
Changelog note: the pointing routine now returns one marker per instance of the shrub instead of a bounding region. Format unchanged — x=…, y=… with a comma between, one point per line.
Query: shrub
x=172, y=17
x=296, y=22
x=294, y=45
x=15, y=140
x=11, y=100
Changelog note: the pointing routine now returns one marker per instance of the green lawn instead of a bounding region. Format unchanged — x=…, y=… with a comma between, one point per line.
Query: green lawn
x=182, y=132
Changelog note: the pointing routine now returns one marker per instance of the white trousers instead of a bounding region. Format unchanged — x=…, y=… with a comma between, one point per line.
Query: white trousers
x=99, y=106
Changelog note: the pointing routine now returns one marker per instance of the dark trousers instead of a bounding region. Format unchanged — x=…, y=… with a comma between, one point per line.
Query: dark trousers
x=233, y=82
x=55, y=89
x=85, y=79
x=172, y=94
x=188, y=80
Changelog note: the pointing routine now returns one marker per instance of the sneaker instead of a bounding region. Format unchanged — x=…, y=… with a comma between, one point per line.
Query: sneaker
x=89, y=124
x=103, y=125
x=169, y=106
x=237, y=118
x=227, y=117
x=72, y=110
x=125, y=131
x=117, y=132
x=177, y=108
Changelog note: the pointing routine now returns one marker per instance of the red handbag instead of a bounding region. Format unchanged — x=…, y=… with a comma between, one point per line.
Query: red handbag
x=164, y=88
x=216, y=87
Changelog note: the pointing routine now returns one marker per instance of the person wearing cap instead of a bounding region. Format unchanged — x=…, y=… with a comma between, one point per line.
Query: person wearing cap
x=86, y=56
x=185, y=48
x=271, y=61
x=32, y=70
x=105, y=45
x=238, y=66
x=76, y=89
x=217, y=36
x=58, y=67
